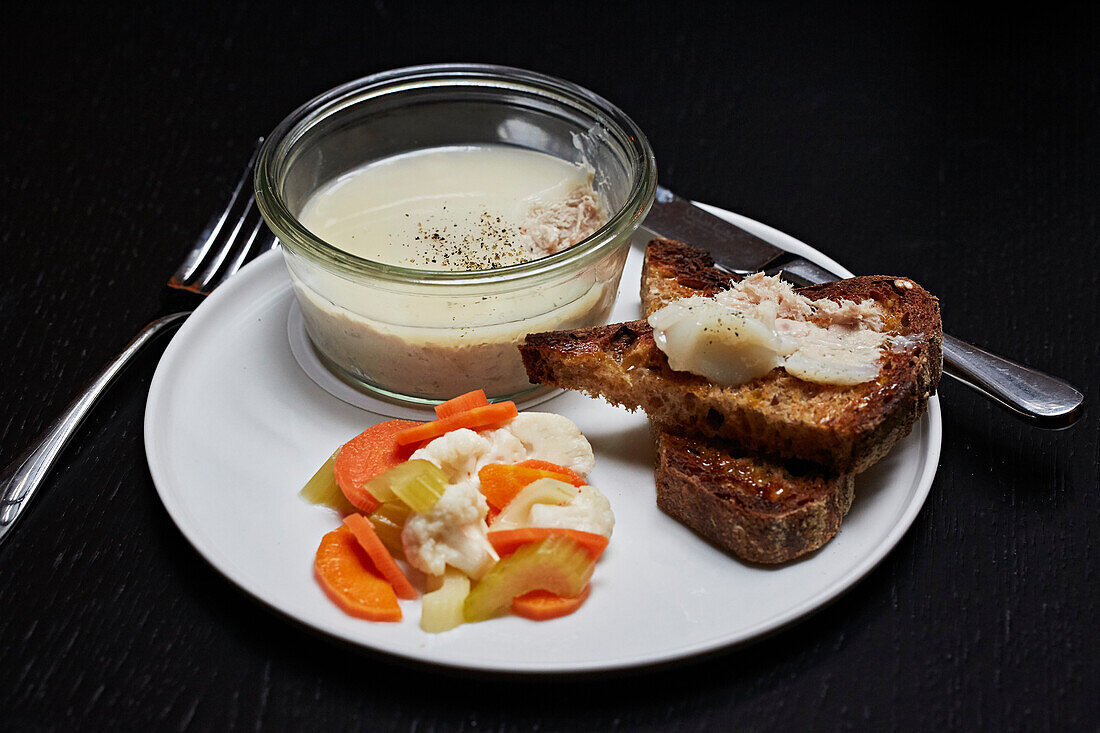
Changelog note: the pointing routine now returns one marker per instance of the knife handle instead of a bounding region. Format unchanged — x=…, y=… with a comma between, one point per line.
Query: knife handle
x=1038, y=398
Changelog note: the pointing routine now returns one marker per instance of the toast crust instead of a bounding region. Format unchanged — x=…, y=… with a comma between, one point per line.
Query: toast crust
x=844, y=428
x=673, y=270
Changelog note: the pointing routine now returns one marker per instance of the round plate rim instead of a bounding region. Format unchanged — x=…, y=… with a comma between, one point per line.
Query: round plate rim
x=931, y=422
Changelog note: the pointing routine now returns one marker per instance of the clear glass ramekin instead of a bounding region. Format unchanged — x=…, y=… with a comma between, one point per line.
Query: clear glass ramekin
x=425, y=335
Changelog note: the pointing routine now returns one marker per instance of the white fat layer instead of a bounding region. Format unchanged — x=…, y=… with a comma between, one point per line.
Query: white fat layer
x=761, y=323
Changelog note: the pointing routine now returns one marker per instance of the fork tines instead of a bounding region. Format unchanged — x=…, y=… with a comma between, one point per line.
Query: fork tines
x=228, y=240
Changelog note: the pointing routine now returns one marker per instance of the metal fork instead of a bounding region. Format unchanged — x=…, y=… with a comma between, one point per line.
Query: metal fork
x=229, y=240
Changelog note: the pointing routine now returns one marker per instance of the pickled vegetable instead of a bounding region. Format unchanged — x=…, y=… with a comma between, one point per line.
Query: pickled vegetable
x=462, y=403
x=367, y=455
x=542, y=491
x=557, y=564
x=443, y=607
x=573, y=477
x=322, y=489
x=540, y=605
x=389, y=520
x=383, y=561
x=418, y=483
x=349, y=578
x=501, y=482
x=507, y=541
x=477, y=418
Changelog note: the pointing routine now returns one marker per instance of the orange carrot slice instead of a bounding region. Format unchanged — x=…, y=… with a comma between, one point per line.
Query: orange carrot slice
x=500, y=482
x=461, y=404
x=475, y=419
x=347, y=576
x=383, y=560
x=507, y=541
x=542, y=605
x=573, y=477
x=365, y=456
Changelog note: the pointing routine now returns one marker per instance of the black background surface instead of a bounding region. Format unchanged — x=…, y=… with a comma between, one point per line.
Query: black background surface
x=959, y=148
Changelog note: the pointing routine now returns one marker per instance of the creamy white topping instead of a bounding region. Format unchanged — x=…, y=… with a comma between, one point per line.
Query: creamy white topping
x=760, y=324
x=474, y=207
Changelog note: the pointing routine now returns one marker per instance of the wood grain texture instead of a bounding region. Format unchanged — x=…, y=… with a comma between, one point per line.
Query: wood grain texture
x=957, y=148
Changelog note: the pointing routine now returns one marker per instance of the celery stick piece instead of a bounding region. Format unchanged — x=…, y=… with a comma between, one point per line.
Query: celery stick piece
x=442, y=609
x=557, y=564
x=322, y=488
x=390, y=536
x=395, y=512
x=381, y=486
x=418, y=483
x=389, y=521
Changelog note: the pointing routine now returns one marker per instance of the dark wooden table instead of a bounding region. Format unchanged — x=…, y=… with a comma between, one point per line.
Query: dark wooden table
x=957, y=148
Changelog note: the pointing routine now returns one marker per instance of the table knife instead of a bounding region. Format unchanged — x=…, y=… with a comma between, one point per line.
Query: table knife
x=1038, y=398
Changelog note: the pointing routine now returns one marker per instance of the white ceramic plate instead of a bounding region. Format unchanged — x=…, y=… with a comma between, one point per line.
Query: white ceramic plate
x=234, y=428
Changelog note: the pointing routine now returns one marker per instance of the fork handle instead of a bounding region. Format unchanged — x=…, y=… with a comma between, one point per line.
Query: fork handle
x=21, y=479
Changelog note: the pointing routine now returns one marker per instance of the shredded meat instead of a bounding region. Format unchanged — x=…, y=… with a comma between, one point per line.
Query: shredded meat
x=550, y=228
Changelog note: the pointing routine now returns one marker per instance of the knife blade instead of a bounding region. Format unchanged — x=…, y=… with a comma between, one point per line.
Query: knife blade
x=734, y=249
x=1043, y=400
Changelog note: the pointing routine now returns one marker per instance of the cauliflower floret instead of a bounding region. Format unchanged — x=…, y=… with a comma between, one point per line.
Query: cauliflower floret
x=504, y=447
x=588, y=511
x=554, y=438
x=451, y=533
x=540, y=435
x=456, y=452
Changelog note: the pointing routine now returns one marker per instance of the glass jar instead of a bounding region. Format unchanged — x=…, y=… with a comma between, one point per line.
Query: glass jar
x=427, y=335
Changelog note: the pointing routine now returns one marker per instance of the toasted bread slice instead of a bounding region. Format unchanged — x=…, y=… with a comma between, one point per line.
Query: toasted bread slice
x=844, y=428
x=674, y=270
x=755, y=508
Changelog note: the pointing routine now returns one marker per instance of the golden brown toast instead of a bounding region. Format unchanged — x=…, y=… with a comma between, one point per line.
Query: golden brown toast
x=756, y=507
x=843, y=428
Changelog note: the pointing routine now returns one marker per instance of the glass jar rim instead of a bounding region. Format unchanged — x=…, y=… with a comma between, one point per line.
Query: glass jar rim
x=292, y=233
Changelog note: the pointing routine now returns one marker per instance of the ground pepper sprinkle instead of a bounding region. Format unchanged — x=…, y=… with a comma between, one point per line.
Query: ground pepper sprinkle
x=485, y=243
